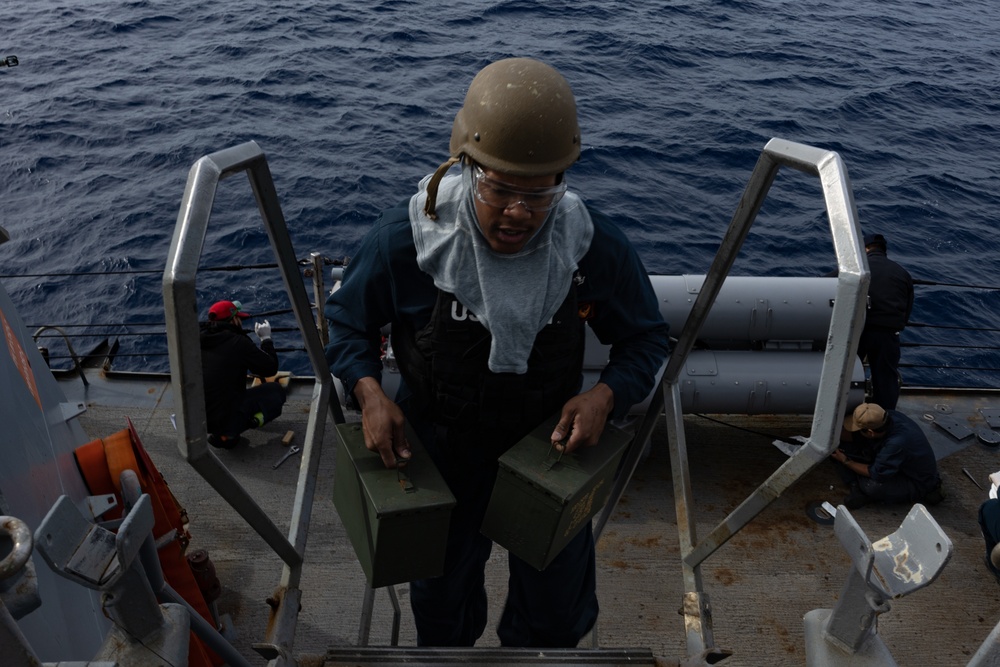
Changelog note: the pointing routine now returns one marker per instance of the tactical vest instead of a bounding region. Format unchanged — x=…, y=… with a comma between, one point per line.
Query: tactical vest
x=445, y=365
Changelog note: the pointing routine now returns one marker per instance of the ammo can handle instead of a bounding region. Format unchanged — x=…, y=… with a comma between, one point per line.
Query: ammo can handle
x=548, y=463
x=405, y=483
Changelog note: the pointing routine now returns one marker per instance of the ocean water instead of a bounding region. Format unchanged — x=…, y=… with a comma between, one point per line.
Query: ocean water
x=112, y=103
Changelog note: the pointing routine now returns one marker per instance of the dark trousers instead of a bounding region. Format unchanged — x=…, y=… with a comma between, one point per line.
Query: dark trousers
x=989, y=522
x=895, y=489
x=552, y=608
x=882, y=351
x=266, y=398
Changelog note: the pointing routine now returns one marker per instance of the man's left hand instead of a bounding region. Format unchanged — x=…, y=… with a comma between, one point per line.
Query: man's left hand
x=583, y=418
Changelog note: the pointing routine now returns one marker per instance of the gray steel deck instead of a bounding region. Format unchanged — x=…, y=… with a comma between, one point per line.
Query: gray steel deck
x=761, y=582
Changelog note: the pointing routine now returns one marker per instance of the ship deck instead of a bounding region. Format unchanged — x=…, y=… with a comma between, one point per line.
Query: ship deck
x=761, y=582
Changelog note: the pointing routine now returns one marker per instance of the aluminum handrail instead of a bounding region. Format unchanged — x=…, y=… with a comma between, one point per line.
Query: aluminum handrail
x=182, y=327
x=846, y=321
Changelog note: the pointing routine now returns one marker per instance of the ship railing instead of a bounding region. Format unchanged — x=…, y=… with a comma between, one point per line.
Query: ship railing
x=182, y=328
x=123, y=352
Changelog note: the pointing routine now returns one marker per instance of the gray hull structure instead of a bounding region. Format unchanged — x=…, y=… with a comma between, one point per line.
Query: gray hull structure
x=40, y=432
x=712, y=508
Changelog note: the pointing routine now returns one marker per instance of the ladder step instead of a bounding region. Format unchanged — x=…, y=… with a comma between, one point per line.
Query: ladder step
x=480, y=657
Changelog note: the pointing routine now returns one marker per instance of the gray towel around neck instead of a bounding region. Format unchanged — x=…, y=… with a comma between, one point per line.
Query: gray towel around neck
x=515, y=295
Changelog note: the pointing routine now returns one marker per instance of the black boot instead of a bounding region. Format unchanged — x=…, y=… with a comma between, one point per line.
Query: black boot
x=935, y=495
x=856, y=499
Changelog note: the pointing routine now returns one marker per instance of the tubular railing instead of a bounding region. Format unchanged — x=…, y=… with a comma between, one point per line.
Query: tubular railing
x=181, y=308
x=185, y=363
x=842, y=342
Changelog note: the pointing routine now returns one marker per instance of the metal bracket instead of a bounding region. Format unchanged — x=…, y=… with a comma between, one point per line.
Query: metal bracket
x=99, y=505
x=895, y=566
x=953, y=427
x=992, y=416
x=905, y=561
x=70, y=410
x=88, y=554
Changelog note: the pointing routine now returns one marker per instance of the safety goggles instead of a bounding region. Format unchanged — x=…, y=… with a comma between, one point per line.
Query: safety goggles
x=504, y=196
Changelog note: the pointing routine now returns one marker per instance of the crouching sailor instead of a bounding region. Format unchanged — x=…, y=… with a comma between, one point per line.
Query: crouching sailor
x=228, y=356
x=886, y=458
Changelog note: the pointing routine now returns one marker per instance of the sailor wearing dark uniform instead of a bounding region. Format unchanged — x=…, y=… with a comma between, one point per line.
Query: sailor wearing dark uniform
x=487, y=278
x=890, y=302
x=228, y=356
x=886, y=458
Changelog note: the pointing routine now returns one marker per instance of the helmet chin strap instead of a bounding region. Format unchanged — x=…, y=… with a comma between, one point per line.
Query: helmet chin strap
x=432, y=186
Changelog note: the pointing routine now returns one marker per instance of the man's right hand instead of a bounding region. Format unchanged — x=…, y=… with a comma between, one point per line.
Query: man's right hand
x=263, y=330
x=382, y=423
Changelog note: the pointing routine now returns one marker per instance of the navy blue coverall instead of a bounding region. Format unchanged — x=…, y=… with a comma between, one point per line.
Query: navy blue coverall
x=383, y=285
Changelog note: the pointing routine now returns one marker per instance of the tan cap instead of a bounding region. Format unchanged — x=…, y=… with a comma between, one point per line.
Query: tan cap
x=866, y=416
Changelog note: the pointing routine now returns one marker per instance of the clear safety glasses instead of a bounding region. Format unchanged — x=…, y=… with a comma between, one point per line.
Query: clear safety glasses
x=498, y=194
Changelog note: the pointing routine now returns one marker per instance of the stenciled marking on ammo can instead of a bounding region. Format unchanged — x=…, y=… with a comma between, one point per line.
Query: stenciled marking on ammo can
x=581, y=509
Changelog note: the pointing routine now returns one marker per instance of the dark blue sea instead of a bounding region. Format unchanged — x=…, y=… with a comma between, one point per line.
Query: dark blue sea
x=112, y=102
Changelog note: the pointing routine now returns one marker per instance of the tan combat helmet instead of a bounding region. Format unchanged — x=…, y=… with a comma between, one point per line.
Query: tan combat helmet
x=518, y=118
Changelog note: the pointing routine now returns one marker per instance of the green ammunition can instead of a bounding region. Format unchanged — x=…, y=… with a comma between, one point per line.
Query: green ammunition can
x=542, y=499
x=396, y=519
